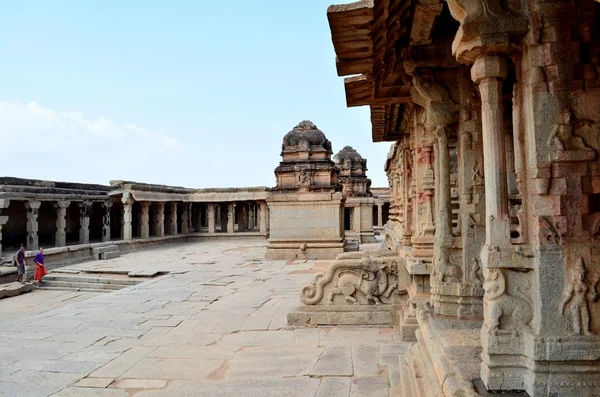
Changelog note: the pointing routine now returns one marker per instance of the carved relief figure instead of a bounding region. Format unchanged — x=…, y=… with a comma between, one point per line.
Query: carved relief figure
x=444, y=270
x=515, y=311
x=304, y=178
x=575, y=298
x=371, y=281
x=476, y=273
x=563, y=136
x=478, y=179
x=567, y=145
x=374, y=274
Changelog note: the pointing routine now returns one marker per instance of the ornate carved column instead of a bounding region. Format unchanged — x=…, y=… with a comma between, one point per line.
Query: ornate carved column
x=160, y=219
x=230, y=218
x=145, y=219
x=32, y=207
x=60, y=239
x=173, y=224
x=106, y=221
x=263, y=217
x=127, y=201
x=211, y=218
x=84, y=222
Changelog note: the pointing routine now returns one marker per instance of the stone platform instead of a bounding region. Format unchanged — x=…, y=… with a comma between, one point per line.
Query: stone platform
x=375, y=315
x=214, y=327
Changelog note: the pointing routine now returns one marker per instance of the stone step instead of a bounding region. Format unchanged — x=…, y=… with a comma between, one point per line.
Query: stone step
x=84, y=279
x=110, y=255
x=103, y=291
x=107, y=248
x=79, y=285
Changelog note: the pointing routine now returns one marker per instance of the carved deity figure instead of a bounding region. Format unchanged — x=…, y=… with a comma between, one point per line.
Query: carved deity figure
x=563, y=135
x=515, y=312
x=371, y=280
x=575, y=298
x=304, y=178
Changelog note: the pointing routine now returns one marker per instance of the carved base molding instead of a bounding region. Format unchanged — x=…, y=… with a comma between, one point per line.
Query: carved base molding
x=459, y=300
x=359, y=315
x=444, y=361
x=562, y=366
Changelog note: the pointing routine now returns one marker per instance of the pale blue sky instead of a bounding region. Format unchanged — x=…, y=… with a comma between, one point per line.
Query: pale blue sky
x=189, y=93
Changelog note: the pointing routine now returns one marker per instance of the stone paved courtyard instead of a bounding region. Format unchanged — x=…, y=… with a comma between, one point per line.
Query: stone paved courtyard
x=215, y=326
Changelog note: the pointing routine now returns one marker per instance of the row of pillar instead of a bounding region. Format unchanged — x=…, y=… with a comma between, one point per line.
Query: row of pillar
x=186, y=216
x=32, y=207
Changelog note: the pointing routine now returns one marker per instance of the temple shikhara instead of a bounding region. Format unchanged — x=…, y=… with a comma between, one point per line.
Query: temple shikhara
x=482, y=258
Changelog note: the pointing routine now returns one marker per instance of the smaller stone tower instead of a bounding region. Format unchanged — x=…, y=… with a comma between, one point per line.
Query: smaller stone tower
x=358, y=208
x=306, y=206
x=306, y=164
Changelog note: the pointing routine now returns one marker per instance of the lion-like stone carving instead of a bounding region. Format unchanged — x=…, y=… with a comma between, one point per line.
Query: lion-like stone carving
x=371, y=280
x=361, y=278
x=515, y=312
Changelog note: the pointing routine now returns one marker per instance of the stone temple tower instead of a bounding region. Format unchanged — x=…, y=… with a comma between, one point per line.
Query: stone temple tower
x=306, y=207
x=358, y=211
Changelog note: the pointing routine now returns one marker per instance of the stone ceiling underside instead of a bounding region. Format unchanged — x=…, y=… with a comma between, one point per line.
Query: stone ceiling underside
x=368, y=37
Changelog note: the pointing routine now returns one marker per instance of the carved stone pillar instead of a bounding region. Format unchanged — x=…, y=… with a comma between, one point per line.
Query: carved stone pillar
x=251, y=217
x=160, y=219
x=263, y=217
x=185, y=218
x=32, y=208
x=60, y=239
x=379, y=214
x=211, y=218
x=106, y=221
x=173, y=224
x=84, y=222
x=127, y=201
x=4, y=203
x=488, y=72
x=230, y=218
x=145, y=219
x=199, y=219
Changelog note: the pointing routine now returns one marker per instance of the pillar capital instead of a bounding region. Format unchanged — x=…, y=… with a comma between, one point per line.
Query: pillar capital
x=4, y=203
x=33, y=204
x=127, y=198
x=486, y=27
x=489, y=67
x=61, y=204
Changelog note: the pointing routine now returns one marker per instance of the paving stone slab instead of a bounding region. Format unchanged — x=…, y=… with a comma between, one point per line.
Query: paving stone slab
x=335, y=361
x=100, y=383
x=334, y=387
x=164, y=368
x=369, y=387
x=365, y=359
x=139, y=384
x=91, y=392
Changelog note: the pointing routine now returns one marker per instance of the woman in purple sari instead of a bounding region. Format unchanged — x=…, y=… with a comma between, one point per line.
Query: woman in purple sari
x=40, y=268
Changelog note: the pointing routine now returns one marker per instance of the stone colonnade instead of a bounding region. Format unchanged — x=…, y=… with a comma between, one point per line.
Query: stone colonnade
x=138, y=220
x=173, y=217
x=59, y=207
